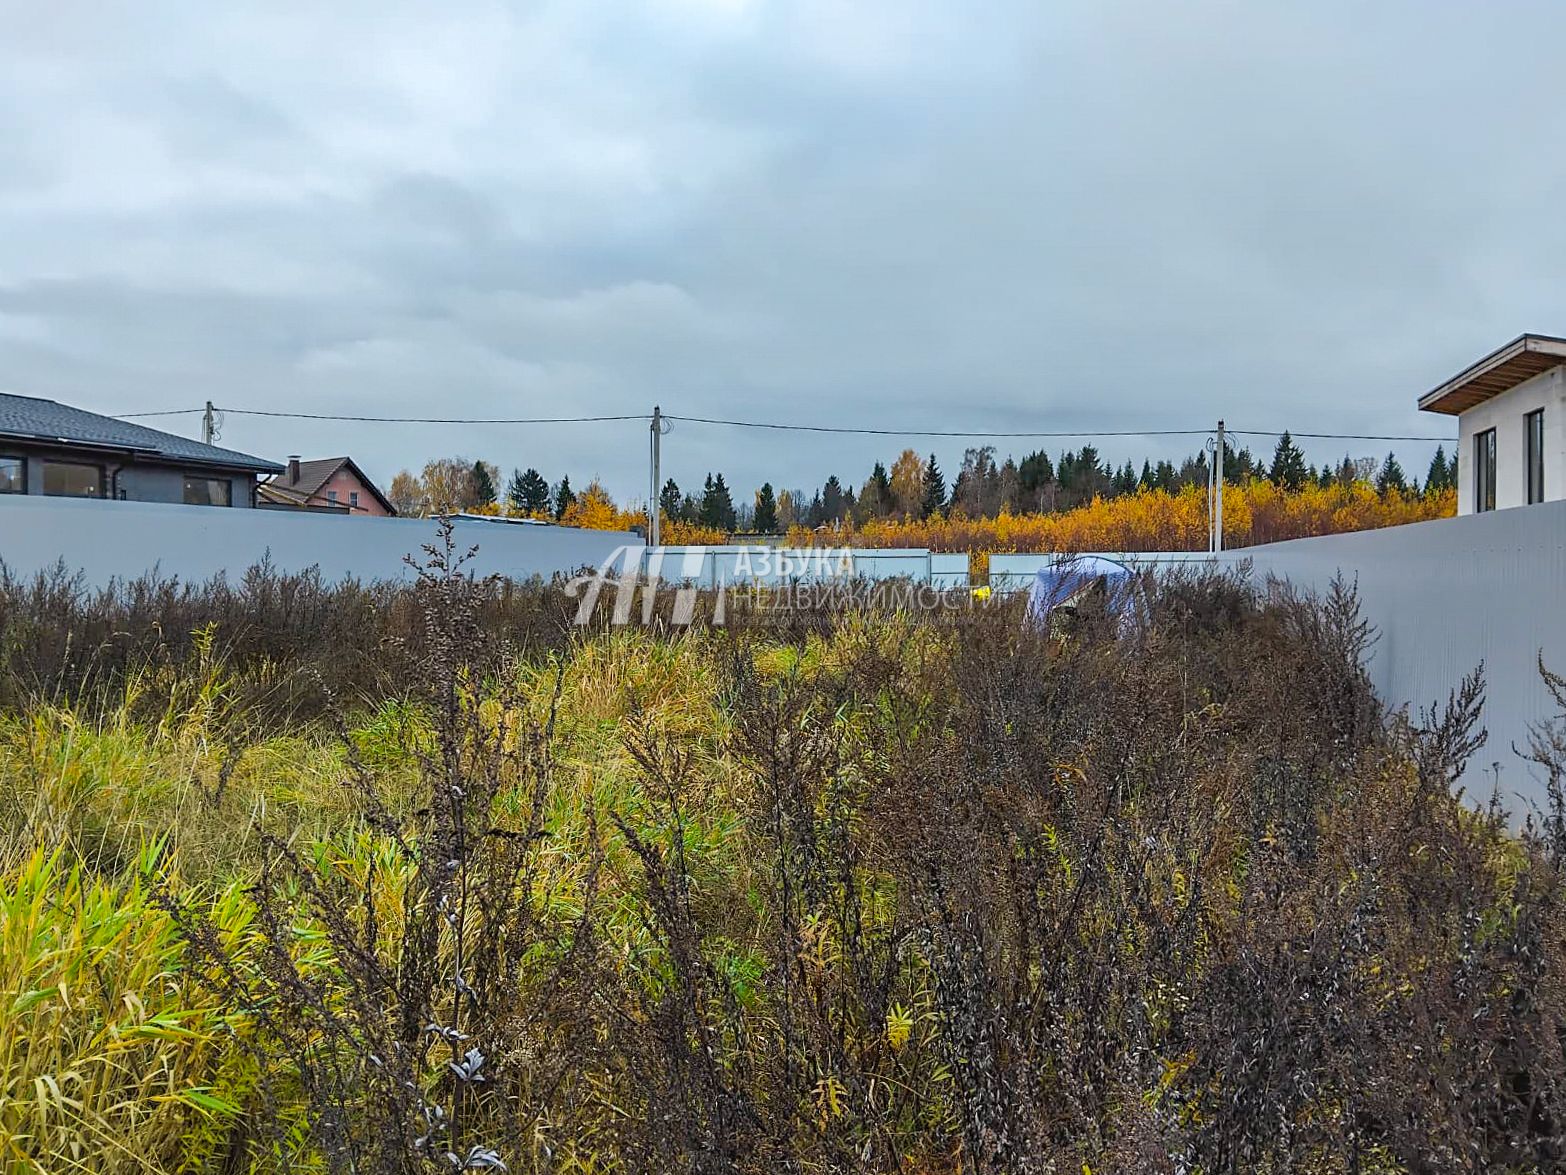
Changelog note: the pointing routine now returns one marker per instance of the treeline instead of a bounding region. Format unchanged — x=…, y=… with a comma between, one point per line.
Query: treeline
x=914, y=488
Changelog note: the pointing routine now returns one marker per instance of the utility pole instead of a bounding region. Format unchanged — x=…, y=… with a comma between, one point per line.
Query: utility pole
x=652, y=484
x=1218, y=497
x=207, y=425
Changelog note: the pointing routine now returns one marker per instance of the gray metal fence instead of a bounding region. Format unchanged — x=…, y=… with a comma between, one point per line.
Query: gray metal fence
x=1444, y=596
x=104, y=540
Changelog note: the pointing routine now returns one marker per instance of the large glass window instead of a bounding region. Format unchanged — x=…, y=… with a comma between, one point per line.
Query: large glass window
x=69, y=479
x=1533, y=449
x=208, y=491
x=13, y=475
x=1484, y=470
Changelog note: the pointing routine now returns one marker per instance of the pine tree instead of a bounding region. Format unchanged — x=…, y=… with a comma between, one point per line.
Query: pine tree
x=1148, y=480
x=934, y=489
x=766, y=519
x=1391, y=476
x=565, y=498
x=483, y=484
x=1289, y=470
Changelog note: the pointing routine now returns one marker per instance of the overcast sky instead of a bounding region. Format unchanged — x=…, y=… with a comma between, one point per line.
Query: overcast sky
x=1082, y=214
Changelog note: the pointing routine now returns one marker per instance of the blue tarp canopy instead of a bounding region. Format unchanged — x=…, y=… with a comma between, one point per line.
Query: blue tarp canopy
x=1063, y=584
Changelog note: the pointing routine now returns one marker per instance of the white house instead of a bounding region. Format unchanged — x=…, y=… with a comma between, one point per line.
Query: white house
x=1511, y=425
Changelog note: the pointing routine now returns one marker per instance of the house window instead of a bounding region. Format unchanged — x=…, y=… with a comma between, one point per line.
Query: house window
x=70, y=479
x=208, y=491
x=353, y=499
x=331, y=496
x=1533, y=447
x=1484, y=471
x=13, y=475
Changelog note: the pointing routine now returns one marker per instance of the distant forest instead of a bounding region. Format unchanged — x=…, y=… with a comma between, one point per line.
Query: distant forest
x=914, y=487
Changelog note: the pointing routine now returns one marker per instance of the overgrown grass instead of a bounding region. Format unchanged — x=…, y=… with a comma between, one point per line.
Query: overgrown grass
x=870, y=891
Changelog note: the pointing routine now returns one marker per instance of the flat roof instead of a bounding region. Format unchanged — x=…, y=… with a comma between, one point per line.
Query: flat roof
x=1499, y=371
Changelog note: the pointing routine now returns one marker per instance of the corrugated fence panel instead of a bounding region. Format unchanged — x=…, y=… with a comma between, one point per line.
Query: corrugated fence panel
x=1445, y=596
x=104, y=540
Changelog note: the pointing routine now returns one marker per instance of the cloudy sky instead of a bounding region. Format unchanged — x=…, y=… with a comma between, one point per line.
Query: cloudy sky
x=1084, y=214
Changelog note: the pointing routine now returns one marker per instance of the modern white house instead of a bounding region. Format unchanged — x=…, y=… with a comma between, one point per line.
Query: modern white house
x=1511, y=425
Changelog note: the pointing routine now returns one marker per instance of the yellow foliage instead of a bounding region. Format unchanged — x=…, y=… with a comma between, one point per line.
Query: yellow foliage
x=1153, y=520
x=594, y=509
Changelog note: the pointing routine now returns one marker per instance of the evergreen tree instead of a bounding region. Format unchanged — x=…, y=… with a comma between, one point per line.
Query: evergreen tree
x=670, y=503
x=875, y=500
x=1148, y=480
x=1289, y=470
x=565, y=498
x=766, y=517
x=934, y=489
x=528, y=491
x=1391, y=476
x=1124, y=481
x=832, y=506
x=483, y=484
x=717, y=507
x=1440, y=475
x=1035, y=473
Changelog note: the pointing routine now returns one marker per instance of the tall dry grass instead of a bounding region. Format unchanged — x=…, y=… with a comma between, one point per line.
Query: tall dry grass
x=880, y=891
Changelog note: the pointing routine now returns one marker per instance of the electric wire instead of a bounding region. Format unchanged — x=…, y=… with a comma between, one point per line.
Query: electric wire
x=780, y=426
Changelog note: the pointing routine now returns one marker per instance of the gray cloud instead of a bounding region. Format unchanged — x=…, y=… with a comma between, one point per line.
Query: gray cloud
x=999, y=215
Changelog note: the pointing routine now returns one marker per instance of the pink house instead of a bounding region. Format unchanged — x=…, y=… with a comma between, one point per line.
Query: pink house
x=332, y=483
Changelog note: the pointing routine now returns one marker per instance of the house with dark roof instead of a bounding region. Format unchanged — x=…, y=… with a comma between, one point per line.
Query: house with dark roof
x=331, y=483
x=54, y=449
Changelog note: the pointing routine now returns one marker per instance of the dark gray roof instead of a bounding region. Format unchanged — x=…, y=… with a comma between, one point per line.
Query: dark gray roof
x=26, y=417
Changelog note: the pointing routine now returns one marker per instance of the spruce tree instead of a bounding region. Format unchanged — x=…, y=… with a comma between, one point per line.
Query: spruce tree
x=528, y=491
x=669, y=501
x=717, y=508
x=934, y=489
x=832, y=500
x=1440, y=475
x=1391, y=476
x=1289, y=470
x=565, y=498
x=766, y=518
x=483, y=484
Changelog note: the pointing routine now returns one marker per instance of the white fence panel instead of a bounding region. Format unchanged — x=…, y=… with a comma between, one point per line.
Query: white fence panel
x=105, y=540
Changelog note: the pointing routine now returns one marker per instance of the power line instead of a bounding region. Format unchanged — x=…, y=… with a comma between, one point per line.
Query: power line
x=434, y=419
x=1336, y=436
x=918, y=432
x=778, y=426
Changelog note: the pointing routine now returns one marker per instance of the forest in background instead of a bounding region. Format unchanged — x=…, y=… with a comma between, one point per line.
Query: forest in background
x=1075, y=502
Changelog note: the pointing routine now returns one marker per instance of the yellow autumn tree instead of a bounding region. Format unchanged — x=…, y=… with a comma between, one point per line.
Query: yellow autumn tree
x=907, y=482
